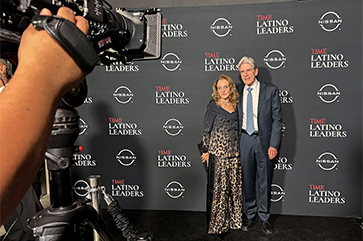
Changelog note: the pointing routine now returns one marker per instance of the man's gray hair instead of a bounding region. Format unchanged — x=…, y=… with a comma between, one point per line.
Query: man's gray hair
x=247, y=60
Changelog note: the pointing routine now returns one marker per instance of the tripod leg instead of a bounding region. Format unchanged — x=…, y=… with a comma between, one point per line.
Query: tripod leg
x=58, y=224
x=56, y=232
x=101, y=228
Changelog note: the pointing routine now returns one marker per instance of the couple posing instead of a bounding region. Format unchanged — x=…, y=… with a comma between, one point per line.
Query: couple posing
x=241, y=137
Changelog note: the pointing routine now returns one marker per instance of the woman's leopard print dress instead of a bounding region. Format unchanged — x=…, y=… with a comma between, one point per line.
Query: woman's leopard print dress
x=220, y=139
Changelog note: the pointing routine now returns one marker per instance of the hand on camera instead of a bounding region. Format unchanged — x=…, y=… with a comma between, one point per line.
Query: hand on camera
x=41, y=56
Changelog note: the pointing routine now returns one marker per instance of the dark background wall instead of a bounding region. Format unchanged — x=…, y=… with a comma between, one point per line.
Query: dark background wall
x=141, y=123
x=185, y=3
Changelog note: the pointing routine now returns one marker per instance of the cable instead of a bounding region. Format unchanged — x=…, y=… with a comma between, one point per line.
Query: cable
x=122, y=222
x=15, y=221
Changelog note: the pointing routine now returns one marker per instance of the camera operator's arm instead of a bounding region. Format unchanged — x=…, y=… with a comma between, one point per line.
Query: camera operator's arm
x=44, y=74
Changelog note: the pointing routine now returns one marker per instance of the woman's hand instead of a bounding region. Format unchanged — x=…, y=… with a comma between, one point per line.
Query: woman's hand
x=205, y=158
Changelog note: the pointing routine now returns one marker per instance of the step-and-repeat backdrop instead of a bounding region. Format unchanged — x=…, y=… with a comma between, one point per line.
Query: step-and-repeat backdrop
x=141, y=122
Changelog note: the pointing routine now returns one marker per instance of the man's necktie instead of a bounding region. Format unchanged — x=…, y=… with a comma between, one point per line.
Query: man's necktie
x=249, y=124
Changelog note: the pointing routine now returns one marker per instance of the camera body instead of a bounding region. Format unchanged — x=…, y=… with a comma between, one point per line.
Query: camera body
x=116, y=34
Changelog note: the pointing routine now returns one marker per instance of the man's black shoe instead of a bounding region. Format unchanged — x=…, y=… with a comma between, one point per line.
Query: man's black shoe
x=248, y=224
x=267, y=228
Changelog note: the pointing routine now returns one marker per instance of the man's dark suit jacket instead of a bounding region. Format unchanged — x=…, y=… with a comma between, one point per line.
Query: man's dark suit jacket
x=269, y=115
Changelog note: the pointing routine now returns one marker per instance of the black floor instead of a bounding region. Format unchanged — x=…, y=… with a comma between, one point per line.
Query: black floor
x=191, y=226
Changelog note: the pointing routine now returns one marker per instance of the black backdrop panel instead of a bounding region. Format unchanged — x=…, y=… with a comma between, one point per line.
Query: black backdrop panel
x=141, y=123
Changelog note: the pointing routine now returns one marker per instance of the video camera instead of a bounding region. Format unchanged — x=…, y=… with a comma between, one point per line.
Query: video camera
x=116, y=34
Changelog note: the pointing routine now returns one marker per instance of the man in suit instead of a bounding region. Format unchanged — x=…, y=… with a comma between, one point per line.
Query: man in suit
x=260, y=122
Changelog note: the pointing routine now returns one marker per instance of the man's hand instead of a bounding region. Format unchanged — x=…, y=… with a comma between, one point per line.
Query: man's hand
x=38, y=49
x=28, y=105
x=272, y=152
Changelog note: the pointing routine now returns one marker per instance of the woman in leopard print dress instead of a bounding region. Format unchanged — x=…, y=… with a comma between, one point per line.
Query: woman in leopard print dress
x=221, y=152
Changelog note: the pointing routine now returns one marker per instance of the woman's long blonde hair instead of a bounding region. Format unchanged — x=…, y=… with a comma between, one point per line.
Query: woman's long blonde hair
x=233, y=97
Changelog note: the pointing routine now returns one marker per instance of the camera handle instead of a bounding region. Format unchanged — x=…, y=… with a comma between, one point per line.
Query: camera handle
x=71, y=38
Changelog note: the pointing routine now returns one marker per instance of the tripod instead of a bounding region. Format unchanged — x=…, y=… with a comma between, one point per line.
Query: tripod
x=61, y=221
x=58, y=222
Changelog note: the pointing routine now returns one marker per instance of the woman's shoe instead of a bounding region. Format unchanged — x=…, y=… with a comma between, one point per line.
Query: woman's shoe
x=221, y=236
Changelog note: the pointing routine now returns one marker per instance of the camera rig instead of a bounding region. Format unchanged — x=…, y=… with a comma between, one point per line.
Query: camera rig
x=115, y=34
